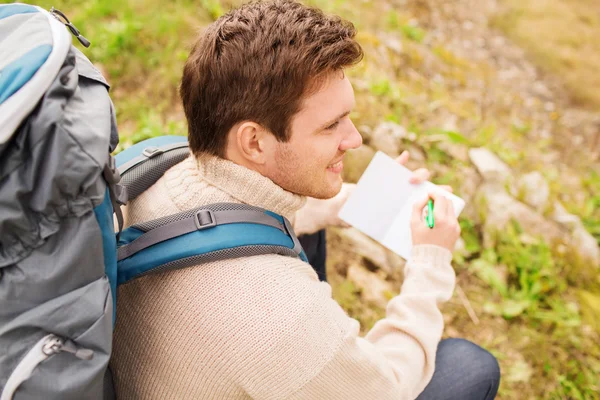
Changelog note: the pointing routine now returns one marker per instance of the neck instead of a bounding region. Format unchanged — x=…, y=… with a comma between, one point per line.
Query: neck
x=246, y=185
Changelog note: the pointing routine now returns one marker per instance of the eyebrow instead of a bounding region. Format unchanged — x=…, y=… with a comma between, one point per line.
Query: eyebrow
x=331, y=122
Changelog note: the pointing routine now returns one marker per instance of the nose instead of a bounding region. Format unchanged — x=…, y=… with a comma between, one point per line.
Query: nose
x=353, y=139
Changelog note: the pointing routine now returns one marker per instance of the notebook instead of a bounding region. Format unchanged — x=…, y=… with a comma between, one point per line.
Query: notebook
x=381, y=204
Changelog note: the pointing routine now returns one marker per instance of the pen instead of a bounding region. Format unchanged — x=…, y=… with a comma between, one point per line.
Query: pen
x=429, y=217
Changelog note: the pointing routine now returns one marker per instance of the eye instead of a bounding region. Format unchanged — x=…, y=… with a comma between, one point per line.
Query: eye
x=332, y=126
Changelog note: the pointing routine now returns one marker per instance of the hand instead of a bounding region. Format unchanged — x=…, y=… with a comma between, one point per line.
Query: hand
x=446, y=230
x=419, y=175
x=319, y=214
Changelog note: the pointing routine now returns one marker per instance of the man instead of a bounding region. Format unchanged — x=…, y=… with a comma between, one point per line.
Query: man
x=267, y=105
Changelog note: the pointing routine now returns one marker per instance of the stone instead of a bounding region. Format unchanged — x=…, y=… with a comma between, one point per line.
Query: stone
x=541, y=90
x=534, y=190
x=455, y=150
x=489, y=166
x=561, y=216
x=501, y=208
x=416, y=154
x=365, y=132
x=563, y=227
x=586, y=245
x=470, y=183
x=367, y=248
x=386, y=137
x=355, y=163
x=460, y=248
x=373, y=288
x=581, y=240
x=394, y=44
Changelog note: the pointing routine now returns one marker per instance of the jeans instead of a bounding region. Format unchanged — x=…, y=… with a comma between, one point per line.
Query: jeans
x=463, y=370
x=315, y=248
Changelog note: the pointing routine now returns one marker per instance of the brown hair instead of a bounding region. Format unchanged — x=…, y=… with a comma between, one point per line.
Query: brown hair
x=256, y=63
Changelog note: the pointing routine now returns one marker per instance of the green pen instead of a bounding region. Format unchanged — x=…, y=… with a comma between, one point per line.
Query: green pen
x=429, y=217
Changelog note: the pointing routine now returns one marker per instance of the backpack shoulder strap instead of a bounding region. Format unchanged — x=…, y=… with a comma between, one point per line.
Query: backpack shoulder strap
x=214, y=232
x=142, y=164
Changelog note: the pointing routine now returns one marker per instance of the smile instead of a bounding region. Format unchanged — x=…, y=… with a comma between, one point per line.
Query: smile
x=336, y=167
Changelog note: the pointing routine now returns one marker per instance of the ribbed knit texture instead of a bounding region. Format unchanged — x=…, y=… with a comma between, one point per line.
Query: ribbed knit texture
x=264, y=327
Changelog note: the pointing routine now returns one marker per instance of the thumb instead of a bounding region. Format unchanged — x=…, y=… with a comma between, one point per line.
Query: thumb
x=403, y=158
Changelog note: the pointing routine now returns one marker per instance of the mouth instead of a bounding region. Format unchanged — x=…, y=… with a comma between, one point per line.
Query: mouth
x=337, y=166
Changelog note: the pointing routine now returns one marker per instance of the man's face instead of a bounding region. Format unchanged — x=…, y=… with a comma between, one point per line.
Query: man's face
x=311, y=162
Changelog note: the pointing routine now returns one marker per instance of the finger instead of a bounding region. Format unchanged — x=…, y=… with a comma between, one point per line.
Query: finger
x=402, y=159
x=440, y=206
x=447, y=188
x=449, y=207
x=420, y=175
x=418, y=206
x=451, y=213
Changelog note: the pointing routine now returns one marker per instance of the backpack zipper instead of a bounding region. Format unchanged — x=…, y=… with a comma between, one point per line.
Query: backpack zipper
x=41, y=351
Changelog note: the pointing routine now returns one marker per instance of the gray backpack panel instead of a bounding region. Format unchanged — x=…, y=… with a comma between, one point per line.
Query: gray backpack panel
x=53, y=288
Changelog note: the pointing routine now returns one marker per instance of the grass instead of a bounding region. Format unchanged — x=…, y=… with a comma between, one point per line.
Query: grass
x=537, y=302
x=570, y=47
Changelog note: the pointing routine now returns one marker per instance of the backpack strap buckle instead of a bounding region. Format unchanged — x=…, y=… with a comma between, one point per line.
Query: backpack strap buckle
x=205, y=219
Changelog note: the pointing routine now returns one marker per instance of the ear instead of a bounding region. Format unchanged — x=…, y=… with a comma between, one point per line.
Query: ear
x=252, y=142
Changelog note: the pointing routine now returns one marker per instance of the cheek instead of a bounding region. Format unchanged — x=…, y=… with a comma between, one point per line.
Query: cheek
x=327, y=148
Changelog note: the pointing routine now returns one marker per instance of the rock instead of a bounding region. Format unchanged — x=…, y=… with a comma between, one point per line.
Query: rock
x=455, y=150
x=355, y=163
x=501, y=208
x=365, y=132
x=563, y=227
x=396, y=265
x=386, y=137
x=367, y=248
x=416, y=154
x=460, y=248
x=372, y=287
x=562, y=217
x=541, y=90
x=489, y=166
x=581, y=240
x=586, y=245
x=470, y=183
x=534, y=190
x=394, y=44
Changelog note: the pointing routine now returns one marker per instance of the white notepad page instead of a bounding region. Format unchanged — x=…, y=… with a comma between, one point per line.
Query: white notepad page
x=381, y=204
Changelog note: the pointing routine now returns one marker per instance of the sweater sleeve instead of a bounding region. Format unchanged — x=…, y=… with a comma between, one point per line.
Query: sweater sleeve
x=396, y=359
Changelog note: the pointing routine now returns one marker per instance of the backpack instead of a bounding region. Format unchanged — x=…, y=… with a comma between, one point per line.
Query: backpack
x=61, y=258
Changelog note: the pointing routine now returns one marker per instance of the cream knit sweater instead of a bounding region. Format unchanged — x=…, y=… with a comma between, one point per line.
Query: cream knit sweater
x=264, y=327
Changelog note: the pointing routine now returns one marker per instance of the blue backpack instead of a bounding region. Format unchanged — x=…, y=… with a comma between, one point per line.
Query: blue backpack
x=61, y=258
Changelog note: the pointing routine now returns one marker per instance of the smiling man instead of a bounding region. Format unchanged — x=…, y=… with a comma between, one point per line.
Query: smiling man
x=268, y=104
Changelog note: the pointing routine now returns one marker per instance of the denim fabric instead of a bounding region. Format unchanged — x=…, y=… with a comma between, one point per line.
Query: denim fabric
x=463, y=371
x=315, y=247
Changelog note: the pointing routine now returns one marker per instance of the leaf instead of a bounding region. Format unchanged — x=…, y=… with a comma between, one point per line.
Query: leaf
x=456, y=137
x=520, y=371
x=514, y=308
x=488, y=273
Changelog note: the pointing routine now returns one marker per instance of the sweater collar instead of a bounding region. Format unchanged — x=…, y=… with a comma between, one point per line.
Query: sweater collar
x=247, y=186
